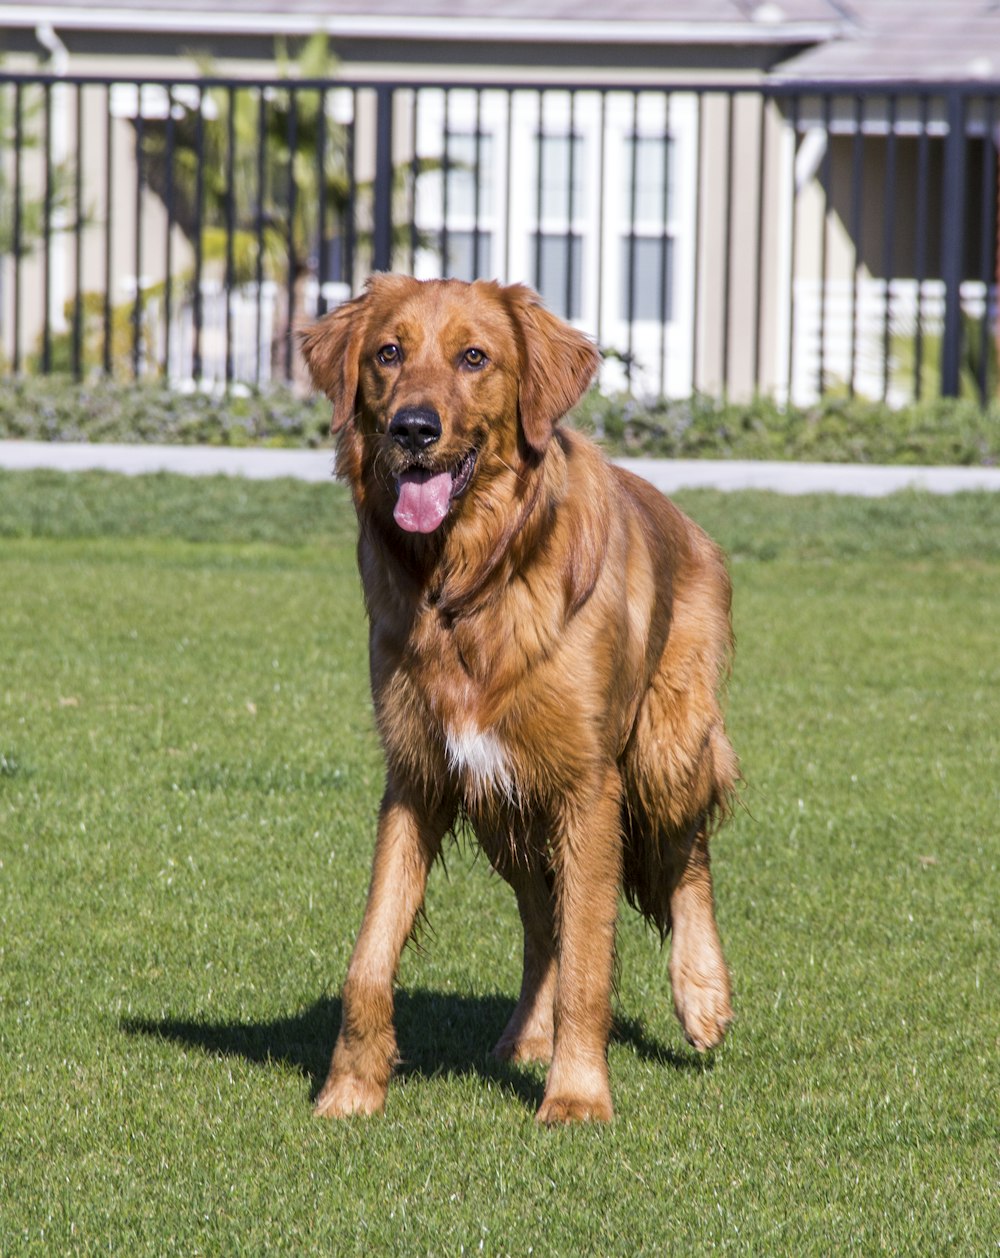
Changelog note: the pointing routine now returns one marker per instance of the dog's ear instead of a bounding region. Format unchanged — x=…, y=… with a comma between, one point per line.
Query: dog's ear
x=332, y=349
x=558, y=365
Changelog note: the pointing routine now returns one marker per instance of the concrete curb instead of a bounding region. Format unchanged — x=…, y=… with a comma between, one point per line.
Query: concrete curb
x=139, y=460
x=667, y=475
x=811, y=478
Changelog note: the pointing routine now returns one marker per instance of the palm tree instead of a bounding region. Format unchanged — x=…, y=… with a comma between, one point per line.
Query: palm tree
x=258, y=181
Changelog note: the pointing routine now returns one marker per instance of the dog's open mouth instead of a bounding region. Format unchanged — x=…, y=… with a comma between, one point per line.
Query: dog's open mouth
x=424, y=497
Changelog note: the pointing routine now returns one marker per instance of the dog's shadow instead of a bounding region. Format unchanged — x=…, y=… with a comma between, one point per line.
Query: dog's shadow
x=438, y=1034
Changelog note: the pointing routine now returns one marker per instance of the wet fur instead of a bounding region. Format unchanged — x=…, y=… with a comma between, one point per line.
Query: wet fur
x=546, y=664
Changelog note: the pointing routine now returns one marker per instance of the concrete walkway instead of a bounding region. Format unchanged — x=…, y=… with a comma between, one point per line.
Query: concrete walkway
x=666, y=474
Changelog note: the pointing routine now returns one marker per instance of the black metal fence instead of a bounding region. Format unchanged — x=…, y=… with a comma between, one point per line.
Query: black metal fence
x=788, y=239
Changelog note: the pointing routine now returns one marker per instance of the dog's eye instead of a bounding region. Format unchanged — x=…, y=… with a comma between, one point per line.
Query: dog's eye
x=474, y=358
x=388, y=355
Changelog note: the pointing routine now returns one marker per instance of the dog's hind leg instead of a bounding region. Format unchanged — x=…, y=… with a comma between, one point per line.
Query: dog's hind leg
x=679, y=796
x=528, y=1034
x=409, y=838
x=698, y=974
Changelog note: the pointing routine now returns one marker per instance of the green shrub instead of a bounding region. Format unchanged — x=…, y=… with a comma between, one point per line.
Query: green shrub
x=54, y=408
x=835, y=430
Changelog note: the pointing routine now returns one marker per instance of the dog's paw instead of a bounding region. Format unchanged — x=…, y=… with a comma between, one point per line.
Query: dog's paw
x=559, y=1110
x=345, y=1095
x=524, y=1048
x=704, y=1012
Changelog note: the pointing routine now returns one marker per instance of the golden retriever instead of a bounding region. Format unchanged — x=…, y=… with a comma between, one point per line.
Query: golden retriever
x=548, y=635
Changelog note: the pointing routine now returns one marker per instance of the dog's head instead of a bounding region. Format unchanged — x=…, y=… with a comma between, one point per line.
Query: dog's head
x=445, y=382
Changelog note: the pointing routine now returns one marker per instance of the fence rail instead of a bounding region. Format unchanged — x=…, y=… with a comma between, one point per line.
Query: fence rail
x=714, y=237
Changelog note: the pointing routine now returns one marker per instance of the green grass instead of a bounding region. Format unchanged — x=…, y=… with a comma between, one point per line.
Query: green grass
x=188, y=785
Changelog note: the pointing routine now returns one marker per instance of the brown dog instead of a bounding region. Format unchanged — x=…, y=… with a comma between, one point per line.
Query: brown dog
x=548, y=635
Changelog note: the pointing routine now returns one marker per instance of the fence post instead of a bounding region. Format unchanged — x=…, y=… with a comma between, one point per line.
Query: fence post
x=382, y=234
x=953, y=244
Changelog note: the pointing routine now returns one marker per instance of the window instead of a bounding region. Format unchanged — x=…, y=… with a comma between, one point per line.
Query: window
x=468, y=163
x=456, y=204
x=469, y=255
x=650, y=294
x=557, y=197
x=560, y=204
x=559, y=271
x=647, y=244
x=652, y=158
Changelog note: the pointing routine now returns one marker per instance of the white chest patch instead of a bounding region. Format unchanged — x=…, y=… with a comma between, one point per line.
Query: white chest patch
x=480, y=759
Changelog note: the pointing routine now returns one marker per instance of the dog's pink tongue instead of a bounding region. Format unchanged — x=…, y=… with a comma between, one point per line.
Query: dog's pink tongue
x=423, y=500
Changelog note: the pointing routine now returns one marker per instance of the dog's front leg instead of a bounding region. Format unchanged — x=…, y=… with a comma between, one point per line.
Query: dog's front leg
x=529, y=1033
x=587, y=874
x=409, y=838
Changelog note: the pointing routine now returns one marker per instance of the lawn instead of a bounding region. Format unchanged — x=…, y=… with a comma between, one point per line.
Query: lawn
x=188, y=786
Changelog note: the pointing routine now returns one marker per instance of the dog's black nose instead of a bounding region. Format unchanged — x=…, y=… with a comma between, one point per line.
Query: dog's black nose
x=415, y=428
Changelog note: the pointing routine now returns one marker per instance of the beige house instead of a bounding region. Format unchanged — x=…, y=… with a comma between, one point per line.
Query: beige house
x=732, y=197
